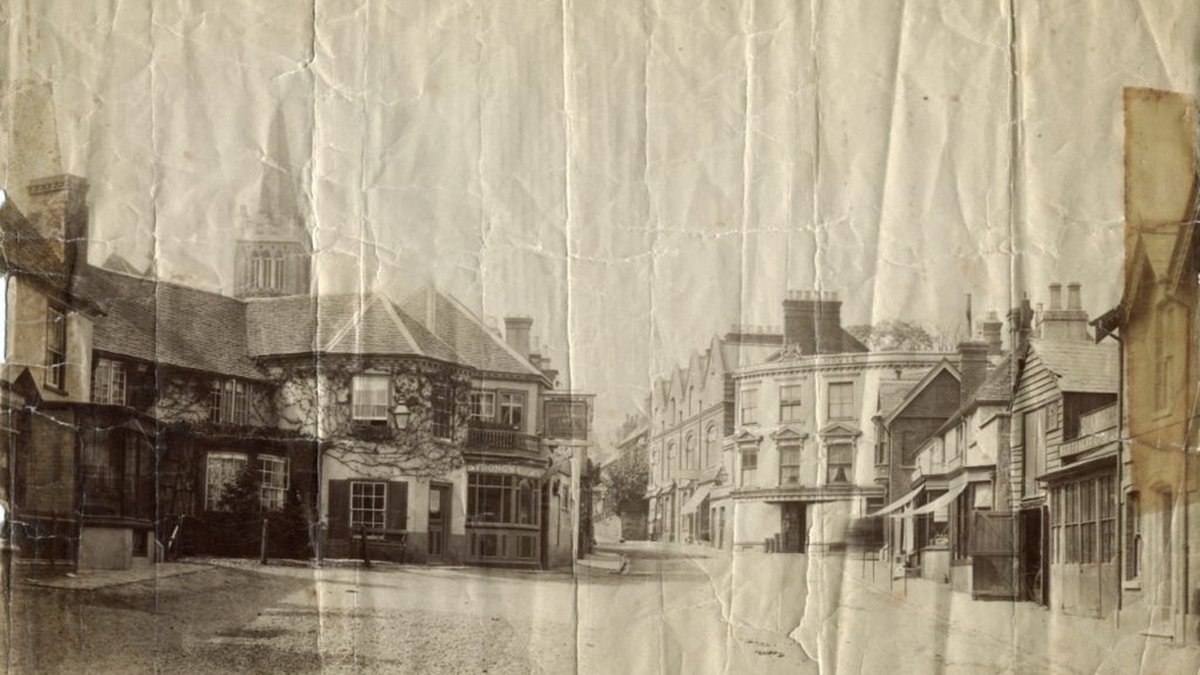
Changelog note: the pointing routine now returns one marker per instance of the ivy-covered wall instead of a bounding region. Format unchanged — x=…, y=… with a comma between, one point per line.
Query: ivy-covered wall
x=314, y=400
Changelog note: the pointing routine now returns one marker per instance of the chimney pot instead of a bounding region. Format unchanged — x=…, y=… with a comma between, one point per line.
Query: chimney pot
x=1056, y=296
x=1073, y=297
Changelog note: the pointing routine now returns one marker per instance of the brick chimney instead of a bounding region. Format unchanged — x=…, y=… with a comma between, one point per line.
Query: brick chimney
x=1065, y=323
x=1019, y=320
x=516, y=333
x=813, y=321
x=57, y=207
x=990, y=329
x=973, y=367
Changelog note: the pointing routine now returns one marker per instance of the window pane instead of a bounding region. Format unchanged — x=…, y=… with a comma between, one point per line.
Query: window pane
x=369, y=397
x=368, y=506
x=223, y=469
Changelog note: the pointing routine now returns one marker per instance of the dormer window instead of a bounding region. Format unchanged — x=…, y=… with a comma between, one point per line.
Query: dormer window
x=108, y=382
x=369, y=398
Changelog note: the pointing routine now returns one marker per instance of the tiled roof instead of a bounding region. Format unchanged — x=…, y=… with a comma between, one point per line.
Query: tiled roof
x=160, y=322
x=1081, y=367
x=23, y=250
x=995, y=388
x=338, y=324
x=466, y=334
x=893, y=392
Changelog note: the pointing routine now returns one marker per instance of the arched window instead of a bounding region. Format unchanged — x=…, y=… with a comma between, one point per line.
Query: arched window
x=690, y=449
x=266, y=270
x=671, y=455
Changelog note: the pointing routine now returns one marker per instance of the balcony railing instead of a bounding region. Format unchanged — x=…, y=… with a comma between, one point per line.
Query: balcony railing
x=1098, y=420
x=1096, y=428
x=497, y=438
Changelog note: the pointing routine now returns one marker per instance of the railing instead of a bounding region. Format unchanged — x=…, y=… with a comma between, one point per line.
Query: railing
x=1099, y=420
x=485, y=438
x=1096, y=428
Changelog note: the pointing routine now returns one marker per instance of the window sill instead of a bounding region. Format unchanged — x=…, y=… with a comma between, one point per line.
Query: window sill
x=1133, y=585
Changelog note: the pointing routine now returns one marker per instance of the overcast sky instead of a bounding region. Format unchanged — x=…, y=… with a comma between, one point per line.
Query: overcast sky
x=635, y=176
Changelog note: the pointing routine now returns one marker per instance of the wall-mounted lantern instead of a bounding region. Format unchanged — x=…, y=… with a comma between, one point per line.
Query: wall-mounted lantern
x=401, y=414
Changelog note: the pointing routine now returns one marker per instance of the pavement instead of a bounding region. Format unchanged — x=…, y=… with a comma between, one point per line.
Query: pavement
x=97, y=579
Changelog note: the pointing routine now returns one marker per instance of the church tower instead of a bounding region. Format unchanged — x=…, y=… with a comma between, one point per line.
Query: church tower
x=274, y=253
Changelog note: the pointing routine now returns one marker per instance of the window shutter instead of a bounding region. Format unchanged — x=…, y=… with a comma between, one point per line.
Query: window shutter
x=339, y=509
x=397, y=505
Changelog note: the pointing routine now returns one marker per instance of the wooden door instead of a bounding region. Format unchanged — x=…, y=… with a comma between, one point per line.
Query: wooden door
x=439, y=521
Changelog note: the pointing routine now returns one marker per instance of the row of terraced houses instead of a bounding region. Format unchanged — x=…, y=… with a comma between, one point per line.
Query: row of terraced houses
x=1050, y=458
x=131, y=405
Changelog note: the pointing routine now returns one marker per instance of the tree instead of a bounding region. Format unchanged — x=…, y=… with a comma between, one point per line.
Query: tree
x=624, y=482
x=895, y=335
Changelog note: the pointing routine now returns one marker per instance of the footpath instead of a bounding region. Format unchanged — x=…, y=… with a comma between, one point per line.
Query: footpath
x=862, y=621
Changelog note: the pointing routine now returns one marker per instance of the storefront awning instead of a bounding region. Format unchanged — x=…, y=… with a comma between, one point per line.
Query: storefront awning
x=899, y=503
x=940, y=502
x=696, y=499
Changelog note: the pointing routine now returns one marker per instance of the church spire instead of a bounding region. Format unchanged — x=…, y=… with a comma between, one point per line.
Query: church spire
x=274, y=253
x=277, y=194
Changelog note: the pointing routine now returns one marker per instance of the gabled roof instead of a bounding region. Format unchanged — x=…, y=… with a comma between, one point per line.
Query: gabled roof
x=466, y=335
x=907, y=391
x=996, y=388
x=338, y=324
x=1080, y=367
x=159, y=321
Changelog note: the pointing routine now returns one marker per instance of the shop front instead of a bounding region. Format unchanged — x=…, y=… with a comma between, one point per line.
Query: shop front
x=506, y=509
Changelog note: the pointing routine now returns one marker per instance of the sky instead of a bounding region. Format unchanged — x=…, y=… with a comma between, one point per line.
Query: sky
x=636, y=176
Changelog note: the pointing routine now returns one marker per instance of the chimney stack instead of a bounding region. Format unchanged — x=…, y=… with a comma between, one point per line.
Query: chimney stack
x=1055, y=296
x=516, y=333
x=1019, y=319
x=1069, y=324
x=973, y=366
x=58, y=208
x=991, y=328
x=812, y=320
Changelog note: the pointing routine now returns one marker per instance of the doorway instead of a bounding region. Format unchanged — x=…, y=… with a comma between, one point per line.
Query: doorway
x=792, y=526
x=1032, y=574
x=439, y=519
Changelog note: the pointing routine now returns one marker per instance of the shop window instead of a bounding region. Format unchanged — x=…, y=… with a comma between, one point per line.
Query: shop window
x=1083, y=521
x=368, y=506
x=108, y=382
x=369, y=398
x=502, y=500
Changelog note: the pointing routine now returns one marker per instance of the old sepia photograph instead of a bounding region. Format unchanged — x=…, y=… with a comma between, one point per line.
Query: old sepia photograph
x=600, y=336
